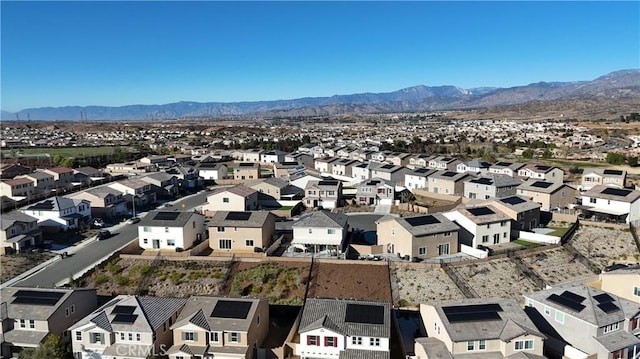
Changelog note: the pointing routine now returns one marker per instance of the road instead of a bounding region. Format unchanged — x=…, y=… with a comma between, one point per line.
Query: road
x=95, y=251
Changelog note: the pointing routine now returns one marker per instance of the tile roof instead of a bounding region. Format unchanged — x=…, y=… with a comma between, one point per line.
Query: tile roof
x=8, y=219
x=423, y=225
x=335, y=310
x=17, y=181
x=198, y=310
x=256, y=219
x=323, y=219
x=157, y=218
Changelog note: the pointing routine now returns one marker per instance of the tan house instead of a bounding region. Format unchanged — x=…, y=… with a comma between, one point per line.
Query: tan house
x=29, y=315
x=478, y=328
x=549, y=195
x=62, y=176
x=10, y=170
x=20, y=187
x=236, y=198
x=542, y=173
x=597, y=176
x=420, y=237
x=239, y=232
x=220, y=327
x=246, y=171
x=127, y=327
x=19, y=232
x=448, y=182
x=127, y=168
x=106, y=202
x=623, y=282
x=43, y=182
x=324, y=193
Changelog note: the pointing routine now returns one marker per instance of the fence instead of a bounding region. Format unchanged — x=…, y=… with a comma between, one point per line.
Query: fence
x=633, y=227
x=527, y=270
x=569, y=233
x=452, y=272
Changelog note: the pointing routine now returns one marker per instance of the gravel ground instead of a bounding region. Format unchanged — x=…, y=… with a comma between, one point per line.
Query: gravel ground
x=497, y=278
x=557, y=266
x=603, y=246
x=417, y=284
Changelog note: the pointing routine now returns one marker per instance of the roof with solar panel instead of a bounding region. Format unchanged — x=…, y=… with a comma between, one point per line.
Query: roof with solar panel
x=587, y=303
x=221, y=313
x=497, y=180
x=167, y=218
x=541, y=186
x=450, y=175
x=55, y=203
x=247, y=219
x=517, y=203
x=475, y=319
x=35, y=303
x=423, y=225
x=348, y=317
x=611, y=193
x=483, y=214
x=605, y=173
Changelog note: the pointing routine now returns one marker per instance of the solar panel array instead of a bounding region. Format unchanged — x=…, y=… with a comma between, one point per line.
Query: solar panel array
x=450, y=174
x=473, y=313
x=541, y=184
x=244, y=164
x=44, y=205
x=166, y=216
x=480, y=211
x=387, y=167
x=238, y=216
x=603, y=298
x=568, y=300
x=124, y=319
x=504, y=164
x=231, y=309
x=327, y=183
x=543, y=167
x=512, y=200
x=422, y=220
x=613, y=172
x=34, y=297
x=616, y=192
x=123, y=309
x=482, y=180
x=364, y=313
x=608, y=307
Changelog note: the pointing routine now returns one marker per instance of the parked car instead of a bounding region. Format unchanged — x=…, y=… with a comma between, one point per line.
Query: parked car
x=134, y=220
x=103, y=235
x=97, y=222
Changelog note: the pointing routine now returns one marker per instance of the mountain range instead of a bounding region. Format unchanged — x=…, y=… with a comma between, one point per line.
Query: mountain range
x=623, y=85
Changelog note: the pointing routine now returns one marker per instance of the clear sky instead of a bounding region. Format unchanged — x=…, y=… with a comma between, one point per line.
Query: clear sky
x=151, y=52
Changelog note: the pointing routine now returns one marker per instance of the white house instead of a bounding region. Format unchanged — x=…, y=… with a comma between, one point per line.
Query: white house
x=210, y=171
x=321, y=230
x=361, y=172
x=484, y=225
x=273, y=156
x=611, y=203
x=171, y=230
x=418, y=178
x=340, y=328
x=545, y=173
x=65, y=213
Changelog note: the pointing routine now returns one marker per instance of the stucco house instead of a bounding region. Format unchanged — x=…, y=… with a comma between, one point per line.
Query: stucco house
x=549, y=195
x=506, y=168
x=542, y=173
x=610, y=203
x=241, y=232
x=106, y=202
x=524, y=213
x=481, y=225
x=418, y=178
x=171, y=230
x=60, y=212
x=623, y=282
x=16, y=188
x=491, y=185
x=324, y=193
x=322, y=231
x=212, y=171
x=43, y=182
x=375, y=191
x=608, y=177
x=246, y=171
x=18, y=232
x=236, y=198
x=448, y=182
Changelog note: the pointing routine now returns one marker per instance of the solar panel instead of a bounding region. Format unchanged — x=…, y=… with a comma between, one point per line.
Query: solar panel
x=541, y=184
x=485, y=181
x=44, y=205
x=603, y=298
x=38, y=294
x=612, y=172
x=473, y=317
x=512, y=200
x=447, y=159
x=231, y=309
x=573, y=296
x=125, y=318
x=166, y=216
x=364, y=313
x=421, y=170
x=480, y=211
x=123, y=309
x=472, y=308
x=503, y=164
x=450, y=174
x=33, y=297
x=238, y=216
x=422, y=220
x=566, y=302
x=246, y=165
x=35, y=301
x=616, y=192
x=542, y=167
x=608, y=307
x=387, y=167
x=327, y=183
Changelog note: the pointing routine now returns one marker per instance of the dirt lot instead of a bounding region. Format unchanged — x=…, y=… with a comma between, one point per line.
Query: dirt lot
x=352, y=280
x=603, y=246
x=557, y=266
x=14, y=264
x=421, y=284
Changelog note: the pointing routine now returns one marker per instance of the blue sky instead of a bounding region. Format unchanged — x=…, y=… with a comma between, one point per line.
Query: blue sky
x=120, y=53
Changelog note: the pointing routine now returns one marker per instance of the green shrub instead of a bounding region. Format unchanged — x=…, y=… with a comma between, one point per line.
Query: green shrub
x=122, y=280
x=402, y=303
x=101, y=279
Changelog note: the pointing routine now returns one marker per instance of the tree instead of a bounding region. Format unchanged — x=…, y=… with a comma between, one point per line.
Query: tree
x=51, y=348
x=632, y=161
x=615, y=158
x=547, y=154
x=528, y=153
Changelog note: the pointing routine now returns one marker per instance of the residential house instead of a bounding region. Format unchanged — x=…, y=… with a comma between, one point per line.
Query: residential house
x=478, y=328
x=180, y=158
x=188, y=176
x=610, y=203
x=344, y=328
x=10, y=170
x=163, y=184
x=241, y=232
x=361, y=171
x=345, y=152
x=87, y=175
x=18, y=232
x=105, y=202
x=491, y=185
x=322, y=231
x=343, y=167
x=444, y=163
x=608, y=177
x=324, y=193
x=540, y=172
x=418, y=178
x=375, y=191
x=325, y=164
x=300, y=179
x=420, y=160
x=380, y=156
x=43, y=182
x=390, y=172
x=623, y=282
x=246, y=171
x=475, y=165
x=582, y=321
x=333, y=151
x=127, y=326
x=252, y=155
x=30, y=315
x=62, y=176
x=220, y=327
x=481, y=226
x=60, y=212
x=425, y=236
x=284, y=169
x=303, y=158
x=506, y=168
x=549, y=195
x=171, y=230
x=448, y=182
x=236, y=198
x=14, y=188
x=398, y=158
x=211, y=171
x=273, y=156
x=524, y=213
x=157, y=160
x=272, y=190
x=362, y=155
x=129, y=168
x=135, y=190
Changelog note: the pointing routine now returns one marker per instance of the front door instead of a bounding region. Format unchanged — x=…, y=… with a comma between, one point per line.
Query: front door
x=443, y=249
x=156, y=244
x=496, y=238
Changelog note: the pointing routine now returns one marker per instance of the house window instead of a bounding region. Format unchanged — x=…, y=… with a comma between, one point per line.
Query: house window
x=330, y=341
x=447, y=234
x=248, y=243
x=504, y=234
x=443, y=249
x=313, y=340
x=482, y=344
x=122, y=336
x=635, y=323
x=503, y=224
x=145, y=241
x=310, y=230
x=331, y=231
x=190, y=336
x=220, y=229
x=234, y=337
x=524, y=344
x=592, y=200
x=489, y=225
x=32, y=324
x=225, y=244
x=485, y=239
x=547, y=310
x=559, y=317
x=214, y=337
x=356, y=340
x=79, y=336
x=73, y=308
x=636, y=291
x=422, y=251
x=171, y=242
x=66, y=312
x=130, y=337
x=138, y=337
x=225, y=200
x=374, y=342
x=471, y=345
x=166, y=229
x=618, y=354
x=23, y=323
x=95, y=338
x=611, y=328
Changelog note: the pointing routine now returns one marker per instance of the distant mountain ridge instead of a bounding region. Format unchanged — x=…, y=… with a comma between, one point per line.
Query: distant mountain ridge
x=623, y=84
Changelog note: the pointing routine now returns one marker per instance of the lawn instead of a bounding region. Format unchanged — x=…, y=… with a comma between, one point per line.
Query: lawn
x=558, y=231
x=78, y=152
x=526, y=244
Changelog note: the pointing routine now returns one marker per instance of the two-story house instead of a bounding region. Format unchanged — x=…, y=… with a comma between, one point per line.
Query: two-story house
x=324, y=165
x=343, y=167
x=389, y=172
x=324, y=193
x=398, y=158
x=252, y=155
x=603, y=202
x=375, y=191
x=29, y=315
x=444, y=163
x=212, y=171
x=135, y=191
x=18, y=232
x=342, y=328
x=171, y=230
x=60, y=212
x=62, y=176
x=105, y=202
x=483, y=225
x=550, y=195
x=581, y=321
x=422, y=237
x=506, y=168
x=322, y=231
x=272, y=156
x=475, y=165
x=236, y=198
x=608, y=177
x=17, y=188
x=540, y=172
x=127, y=326
x=418, y=178
x=220, y=327
x=241, y=232
x=478, y=328
x=524, y=213
x=43, y=182
x=361, y=171
x=163, y=184
x=491, y=185
x=128, y=168
x=420, y=160
x=11, y=170
x=188, y=176
x=246, y=171
x=448, y=182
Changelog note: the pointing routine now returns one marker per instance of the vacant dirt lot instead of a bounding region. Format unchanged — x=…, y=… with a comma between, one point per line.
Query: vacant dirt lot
x=603, y=246
x=421, y=284
x=350, y=280
x=15, y=264
x=557, y=266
